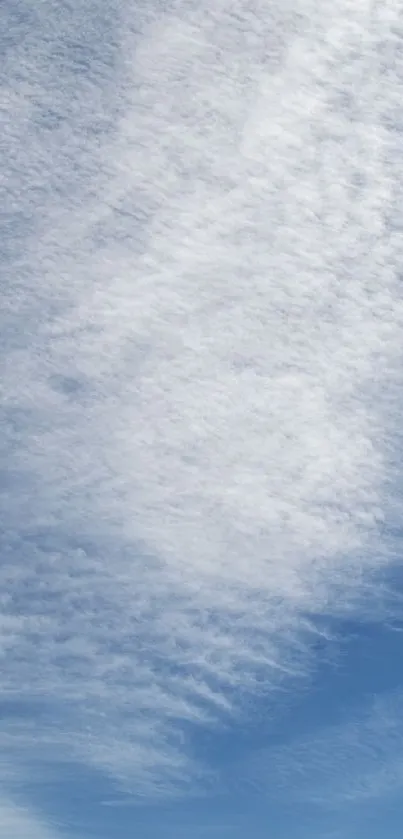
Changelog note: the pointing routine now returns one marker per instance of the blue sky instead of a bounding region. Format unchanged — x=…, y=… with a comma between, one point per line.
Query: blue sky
x=200, y=488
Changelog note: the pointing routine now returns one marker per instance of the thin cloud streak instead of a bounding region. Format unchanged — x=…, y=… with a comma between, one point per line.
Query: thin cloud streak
x=204, y=320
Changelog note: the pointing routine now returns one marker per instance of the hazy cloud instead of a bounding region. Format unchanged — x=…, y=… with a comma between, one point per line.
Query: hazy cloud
x=201, y=338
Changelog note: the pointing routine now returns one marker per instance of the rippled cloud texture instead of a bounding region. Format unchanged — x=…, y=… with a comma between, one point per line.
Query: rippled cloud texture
x=201, y=343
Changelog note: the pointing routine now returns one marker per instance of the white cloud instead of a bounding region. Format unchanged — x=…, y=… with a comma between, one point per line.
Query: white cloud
x=20, y=823
x=202, y=335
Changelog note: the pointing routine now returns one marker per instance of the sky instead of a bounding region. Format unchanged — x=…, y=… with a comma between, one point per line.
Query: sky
x=201, y=335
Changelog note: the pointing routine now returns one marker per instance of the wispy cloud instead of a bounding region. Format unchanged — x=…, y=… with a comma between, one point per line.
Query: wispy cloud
x=20, y=823
x=201, y=336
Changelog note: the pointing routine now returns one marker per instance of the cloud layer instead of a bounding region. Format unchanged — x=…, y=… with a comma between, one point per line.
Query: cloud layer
x=201, y=340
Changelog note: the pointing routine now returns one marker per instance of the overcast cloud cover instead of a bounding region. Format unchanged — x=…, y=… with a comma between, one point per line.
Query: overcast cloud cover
x=201, y=346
